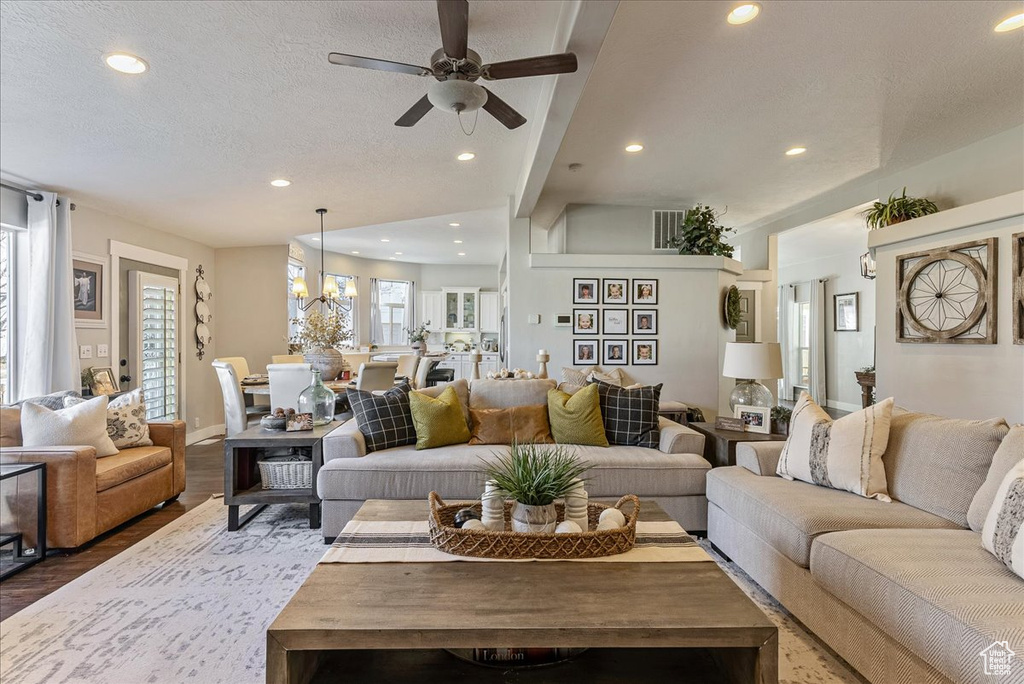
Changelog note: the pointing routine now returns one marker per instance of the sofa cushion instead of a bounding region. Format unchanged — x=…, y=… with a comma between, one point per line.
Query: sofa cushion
x=439, y=422
x=384, y=419
x=81, y=425
x=54, y=401
x=630, y=415
x=498, y=394
x=523, y=424
x=126, y=419
x=10, y=426
x=576, y=419
x=937, y=592
x=789, y=515
x=1010, y=451
x=454, y=472
x=461, y=389
x=129, y=464
x=1002, y=534
x=938, y=464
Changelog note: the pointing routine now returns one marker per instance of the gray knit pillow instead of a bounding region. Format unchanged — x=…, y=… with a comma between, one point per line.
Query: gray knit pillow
x=1002, y=534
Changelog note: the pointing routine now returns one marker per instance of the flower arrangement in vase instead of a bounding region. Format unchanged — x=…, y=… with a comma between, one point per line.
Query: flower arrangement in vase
x=418, y=337
x=317, y=336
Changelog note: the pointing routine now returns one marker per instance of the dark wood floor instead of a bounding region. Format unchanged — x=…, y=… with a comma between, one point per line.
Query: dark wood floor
x=204, y=468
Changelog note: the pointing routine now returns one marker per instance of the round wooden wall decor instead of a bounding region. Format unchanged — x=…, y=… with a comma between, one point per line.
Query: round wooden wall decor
x=731, y=307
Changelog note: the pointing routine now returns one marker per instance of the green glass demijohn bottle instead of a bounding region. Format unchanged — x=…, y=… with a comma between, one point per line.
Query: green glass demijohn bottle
x=318, y=399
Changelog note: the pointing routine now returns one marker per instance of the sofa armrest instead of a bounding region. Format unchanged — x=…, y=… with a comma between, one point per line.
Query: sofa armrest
x=345, y=441
x=70, y=490
x=172, y=435
x=679, y=439
x=760, y=458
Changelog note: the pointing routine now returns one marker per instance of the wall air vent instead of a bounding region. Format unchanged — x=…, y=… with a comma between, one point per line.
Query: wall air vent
x=665, y=223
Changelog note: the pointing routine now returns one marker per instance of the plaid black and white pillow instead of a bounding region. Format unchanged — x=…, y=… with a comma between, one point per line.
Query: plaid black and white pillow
x=630, y=415
x=384, y=419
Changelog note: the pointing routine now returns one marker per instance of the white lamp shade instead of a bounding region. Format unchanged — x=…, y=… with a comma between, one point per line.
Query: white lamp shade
x=299, y=288
x=350, y=288
x=752, y=360
x=330, y=287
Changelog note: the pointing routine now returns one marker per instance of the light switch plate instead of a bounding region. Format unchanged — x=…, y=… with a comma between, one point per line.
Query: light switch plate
x=534, y=319
x=85, y=351
x=102, y=351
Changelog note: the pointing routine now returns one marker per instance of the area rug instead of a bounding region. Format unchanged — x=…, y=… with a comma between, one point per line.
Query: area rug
x=192, y=602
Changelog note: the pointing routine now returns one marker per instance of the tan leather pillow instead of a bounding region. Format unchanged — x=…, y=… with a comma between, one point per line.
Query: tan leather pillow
x=502, y=426
x=10, y=426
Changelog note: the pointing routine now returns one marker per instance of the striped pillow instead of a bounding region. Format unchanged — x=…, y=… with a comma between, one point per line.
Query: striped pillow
x=1002, y=532
x=845, y=454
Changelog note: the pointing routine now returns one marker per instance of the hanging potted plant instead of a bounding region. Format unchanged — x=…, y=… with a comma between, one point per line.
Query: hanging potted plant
x=318, y=336
x=418, y=338
x=897, y=210
x=700, y=234
x=533, y=476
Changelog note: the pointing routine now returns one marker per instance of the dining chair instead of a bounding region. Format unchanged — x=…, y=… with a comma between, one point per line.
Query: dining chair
x=287, y=380
x=254, y=406
x=287, y=358
x=407, y=364
x=355, y=360
x=423, y=369
x=376, y=376
x=235, y=418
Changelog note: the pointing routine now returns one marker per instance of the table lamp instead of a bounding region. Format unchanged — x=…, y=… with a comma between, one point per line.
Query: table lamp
x=750, y=362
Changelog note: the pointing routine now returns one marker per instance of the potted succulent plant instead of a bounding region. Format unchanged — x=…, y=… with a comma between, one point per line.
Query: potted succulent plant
x=418, y=338
x=700, y=234
x=317, y=337
x=533, y=476
x=780, y=420
x=897, y=210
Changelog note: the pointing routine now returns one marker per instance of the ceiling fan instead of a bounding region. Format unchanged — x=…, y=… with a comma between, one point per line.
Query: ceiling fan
x=456, y=69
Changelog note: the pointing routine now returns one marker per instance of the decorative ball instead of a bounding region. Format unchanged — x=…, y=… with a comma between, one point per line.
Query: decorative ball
x=614, y=515
x=465, y=514
x=608, y=524
x=529, y=375
x=568, y=527
x=473, y=524
x=491, y=375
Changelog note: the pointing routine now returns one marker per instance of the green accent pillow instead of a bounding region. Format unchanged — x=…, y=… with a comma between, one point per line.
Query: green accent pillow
x=438, y=422
x=576, y=418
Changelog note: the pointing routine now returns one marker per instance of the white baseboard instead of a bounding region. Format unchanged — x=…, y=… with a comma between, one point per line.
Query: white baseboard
x=204, y=433
x=843, y=406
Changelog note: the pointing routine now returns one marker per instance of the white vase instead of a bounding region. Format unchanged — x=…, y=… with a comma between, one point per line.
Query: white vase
x=328, y=361
x=526, y=518
x=419, y=347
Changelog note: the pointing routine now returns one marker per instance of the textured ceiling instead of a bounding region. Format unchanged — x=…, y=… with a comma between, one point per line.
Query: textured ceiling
x=839, y=234
x=862, y=85
x=239, y=93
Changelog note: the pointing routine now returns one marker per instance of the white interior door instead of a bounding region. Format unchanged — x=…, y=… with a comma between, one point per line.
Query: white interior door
x=155, y=359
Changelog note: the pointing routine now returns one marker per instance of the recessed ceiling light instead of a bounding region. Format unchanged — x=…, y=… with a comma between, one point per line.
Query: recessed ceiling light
x=741, y=14
x=458, y=242
x=316, y=239
x=466, y=156
x=1010, y=23
x=385, y=240
x=634, y=147
x=125, y=63
x=454, y=225
x=462, y=254
x=280, y=183
x=793, y=151
x=355, y=252
x=398, y=254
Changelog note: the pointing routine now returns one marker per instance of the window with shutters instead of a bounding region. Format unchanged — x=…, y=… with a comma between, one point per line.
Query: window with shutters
x=155, y=324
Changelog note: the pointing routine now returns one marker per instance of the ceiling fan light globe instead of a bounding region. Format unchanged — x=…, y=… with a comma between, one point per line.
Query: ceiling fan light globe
x=456, y=95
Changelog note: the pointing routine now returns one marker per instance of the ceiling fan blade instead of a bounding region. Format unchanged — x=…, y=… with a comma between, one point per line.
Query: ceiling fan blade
x=415, y=113
x=564, y=63
x=501, y=111
x=454, y=18
x=377, y=64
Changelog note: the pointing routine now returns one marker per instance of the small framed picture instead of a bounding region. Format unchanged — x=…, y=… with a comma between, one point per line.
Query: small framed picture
x=645, y=321
x=299, y=422
x=615, y=291
x=89, y=289
x=584, y=290
x=846, y=308
x=645, y=352
x=103, y=381
x=645, y=290
x=755, y=418
x=615, y=321
x=616, y=352
x=584, y=321
x=584, y=352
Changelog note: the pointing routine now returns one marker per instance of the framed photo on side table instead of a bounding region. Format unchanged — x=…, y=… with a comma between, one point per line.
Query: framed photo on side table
x=616, y=352
x=645, y=291
x=89, y=281
x=584, y=290
x=103, y=381
x=645, y=321
x=615, y=291
x=755, y=418
x=846, y=312
x=615, y=321
x=645, y=352
x=584, y=352
x=584, y=321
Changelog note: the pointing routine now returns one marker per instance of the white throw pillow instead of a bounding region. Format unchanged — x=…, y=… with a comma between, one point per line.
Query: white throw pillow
x=1003, y=535
x=845, y=454
x=126, y=419
x=81, y=425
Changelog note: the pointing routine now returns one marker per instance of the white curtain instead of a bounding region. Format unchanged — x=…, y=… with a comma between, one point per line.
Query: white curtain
x=376, y=325
x=817, y=389
x=48, y=360
x=409, y=318
x=787, y=340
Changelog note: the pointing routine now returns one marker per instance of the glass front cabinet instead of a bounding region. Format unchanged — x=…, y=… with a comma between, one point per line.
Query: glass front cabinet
x=461, y=309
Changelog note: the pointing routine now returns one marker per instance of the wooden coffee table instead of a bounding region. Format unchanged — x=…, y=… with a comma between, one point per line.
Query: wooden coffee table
x=650, y=622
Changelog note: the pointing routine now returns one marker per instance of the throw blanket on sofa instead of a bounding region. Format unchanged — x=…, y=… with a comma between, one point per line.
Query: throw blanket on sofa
x=408, y=541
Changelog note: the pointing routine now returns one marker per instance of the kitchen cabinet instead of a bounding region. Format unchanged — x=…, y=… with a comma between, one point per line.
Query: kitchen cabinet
x=461, y=309
x=463, y=365
x=432, y=310
x=489, y=317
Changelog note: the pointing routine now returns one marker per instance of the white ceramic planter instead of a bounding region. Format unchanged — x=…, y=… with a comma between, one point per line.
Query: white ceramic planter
x=534, y=518
x=328, y=361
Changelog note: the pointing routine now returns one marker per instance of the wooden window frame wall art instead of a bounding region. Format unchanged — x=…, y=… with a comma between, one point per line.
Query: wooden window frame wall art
x=83, y=266
x=577, y=345
x=607, y=299
x=635, y=353
x=1018, y=287
x=595, y=288
x=937, y=287
x=595, y=316
x=606, y=358
x=856, y=312
x=652, y=328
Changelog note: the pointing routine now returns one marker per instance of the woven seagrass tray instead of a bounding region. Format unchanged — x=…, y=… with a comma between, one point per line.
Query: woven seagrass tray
x=510, y=545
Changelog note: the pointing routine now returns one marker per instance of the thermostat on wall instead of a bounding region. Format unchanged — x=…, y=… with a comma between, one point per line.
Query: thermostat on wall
x=563, y=320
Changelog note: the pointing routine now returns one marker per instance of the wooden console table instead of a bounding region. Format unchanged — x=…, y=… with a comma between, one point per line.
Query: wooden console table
x=720, y=445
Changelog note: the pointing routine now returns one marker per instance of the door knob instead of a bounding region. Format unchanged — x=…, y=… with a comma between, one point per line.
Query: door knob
x=126, y=378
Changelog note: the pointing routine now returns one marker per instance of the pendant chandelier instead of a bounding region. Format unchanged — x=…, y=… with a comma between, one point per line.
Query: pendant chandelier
x=328, y=284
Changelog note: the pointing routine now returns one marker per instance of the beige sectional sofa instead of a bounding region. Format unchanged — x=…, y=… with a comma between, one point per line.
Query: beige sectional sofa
x=904, y=591
x=674, y=474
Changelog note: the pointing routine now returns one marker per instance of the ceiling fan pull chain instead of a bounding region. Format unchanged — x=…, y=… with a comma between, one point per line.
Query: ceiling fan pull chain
x=476, y=115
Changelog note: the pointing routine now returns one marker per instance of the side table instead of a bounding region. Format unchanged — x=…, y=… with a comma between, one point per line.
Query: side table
x=242, y=484
x=720, y=445
x=22, y=559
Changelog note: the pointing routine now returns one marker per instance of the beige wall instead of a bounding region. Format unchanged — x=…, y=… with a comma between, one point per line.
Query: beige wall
x=252, y=295
x=92, y=231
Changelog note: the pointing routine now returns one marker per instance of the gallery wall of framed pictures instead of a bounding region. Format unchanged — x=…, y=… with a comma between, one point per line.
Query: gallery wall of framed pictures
x=614, y=321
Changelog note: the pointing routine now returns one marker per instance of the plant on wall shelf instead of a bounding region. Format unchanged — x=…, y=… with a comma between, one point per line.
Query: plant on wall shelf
x=897, y=210
x=700, y=233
